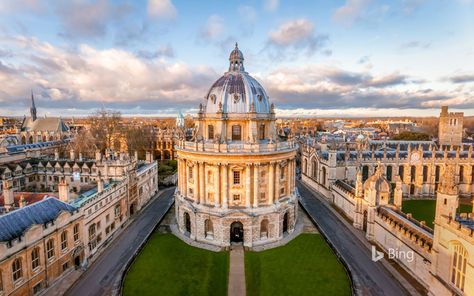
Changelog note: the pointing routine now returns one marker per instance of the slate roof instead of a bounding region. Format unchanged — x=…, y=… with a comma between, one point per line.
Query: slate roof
x=48, y=124
x=30, y=198
x=14, y=224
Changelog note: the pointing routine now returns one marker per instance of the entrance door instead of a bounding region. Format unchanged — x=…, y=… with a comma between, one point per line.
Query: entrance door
x=285, y=223
x=77, y=262
x=236, y=232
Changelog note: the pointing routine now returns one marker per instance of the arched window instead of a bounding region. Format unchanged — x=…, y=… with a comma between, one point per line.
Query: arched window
x=365, y=173
x=210, y=132
x=264, y=229
x=425, y=173
x=64, y=240
x=401, y=172
x=35, y=258
x=17, y=271
x=413, y=173
x=437, y=173
x=315, y=168
x=323, y=176
x=50, y=249
x=236, y=133
x=261, y=132
x=389, y=172
x=208, y=229
x=458, y=266
x=461, y=174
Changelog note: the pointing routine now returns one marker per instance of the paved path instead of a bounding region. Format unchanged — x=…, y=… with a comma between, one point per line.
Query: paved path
x=373, y=278
x=101, y=277
x=236, y=272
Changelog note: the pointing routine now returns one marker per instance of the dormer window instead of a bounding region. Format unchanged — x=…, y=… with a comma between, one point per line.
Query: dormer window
x=259, y=97
x=213, y=98
x=236, y=98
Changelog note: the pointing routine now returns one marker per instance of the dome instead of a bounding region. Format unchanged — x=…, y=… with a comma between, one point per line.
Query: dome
x=236, y=91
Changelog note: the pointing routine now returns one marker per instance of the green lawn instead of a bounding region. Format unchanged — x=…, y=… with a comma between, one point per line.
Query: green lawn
x=168, y=266
x=424, y=210
x=305, y=266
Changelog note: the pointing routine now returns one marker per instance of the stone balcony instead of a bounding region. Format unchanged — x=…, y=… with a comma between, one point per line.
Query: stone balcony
x=237, y=147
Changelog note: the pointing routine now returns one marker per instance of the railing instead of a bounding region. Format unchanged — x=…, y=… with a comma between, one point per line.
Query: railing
x=236, y=147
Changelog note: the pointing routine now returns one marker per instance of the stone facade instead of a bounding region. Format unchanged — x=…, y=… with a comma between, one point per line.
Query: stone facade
x=236, y=179
x=450, y=129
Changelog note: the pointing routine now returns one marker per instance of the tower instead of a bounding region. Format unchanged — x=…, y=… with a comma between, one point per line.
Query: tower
x=63, y=189
x=447, y=199
x=8, y=196
x=450, y=127
x=33, y=108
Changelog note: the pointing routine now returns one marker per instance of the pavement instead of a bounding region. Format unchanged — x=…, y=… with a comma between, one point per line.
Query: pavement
x=103, y=276
x=236, y=286
x=370, y=278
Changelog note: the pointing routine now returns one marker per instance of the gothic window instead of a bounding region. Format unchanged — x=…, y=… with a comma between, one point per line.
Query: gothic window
x=64, y=240
x=210, y=132
x=425, y=173
x=323, y=177
x=461, y=174
x=35, y=259
x=315, y=168
x=389, y=173
x=401, y=171
x=365, y=173
x=413, y=173
x=458, y=266
x=76, y=232
x=261, y=132
x=236, y=177
x=437, y=173
x=236, y=133
x=17, y=271
x=50, y=249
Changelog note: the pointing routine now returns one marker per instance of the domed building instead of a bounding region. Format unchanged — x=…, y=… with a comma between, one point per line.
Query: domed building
x=236, y=178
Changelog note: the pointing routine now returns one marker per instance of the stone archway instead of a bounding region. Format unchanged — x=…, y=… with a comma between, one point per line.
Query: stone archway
x=236, y=232
x=187, y=223
x=285, y=223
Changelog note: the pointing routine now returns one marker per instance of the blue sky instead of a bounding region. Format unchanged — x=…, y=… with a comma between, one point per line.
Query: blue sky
x=156, y=57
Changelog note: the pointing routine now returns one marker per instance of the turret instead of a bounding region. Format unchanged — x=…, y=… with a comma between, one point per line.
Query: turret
x=63, y=189
x=398, y=192
x=447, y=198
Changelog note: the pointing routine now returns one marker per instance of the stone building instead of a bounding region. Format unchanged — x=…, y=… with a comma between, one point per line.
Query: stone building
x=450, y=129
x=165, y=144
x=39, y=244
x=236, y=178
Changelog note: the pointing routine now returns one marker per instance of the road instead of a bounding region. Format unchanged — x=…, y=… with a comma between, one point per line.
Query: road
x=100, y=277
x=374, y=279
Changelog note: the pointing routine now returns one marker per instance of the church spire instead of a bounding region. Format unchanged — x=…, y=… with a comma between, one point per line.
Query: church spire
x=33, y=107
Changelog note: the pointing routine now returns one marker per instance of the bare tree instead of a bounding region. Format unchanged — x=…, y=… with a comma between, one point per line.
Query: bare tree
x=140, y=138
x=105, y=125
x=84, y=143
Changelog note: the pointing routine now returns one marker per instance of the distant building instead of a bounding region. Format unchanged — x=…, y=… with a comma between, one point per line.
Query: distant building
x=450, y=127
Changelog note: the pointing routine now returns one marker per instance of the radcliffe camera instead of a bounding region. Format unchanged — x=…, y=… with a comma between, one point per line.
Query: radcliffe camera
x=233, y=148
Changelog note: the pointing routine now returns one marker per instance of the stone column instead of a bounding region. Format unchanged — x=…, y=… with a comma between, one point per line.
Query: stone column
x=225, y=194
x=195, y=180
x=217, y=186
x=185, y=177
x=288, y=178
x=276, y=190
x=248, y=171
x=271, y=182
x=202, y=178
x=256, y=184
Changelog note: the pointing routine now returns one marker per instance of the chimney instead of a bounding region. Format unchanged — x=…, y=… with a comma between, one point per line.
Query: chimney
x=63, y=189
x=80, y=156
x=56, y=154
x=8, y=196
x=100, y=185
x=72, y=155
x=98, y=155
x=22, y=202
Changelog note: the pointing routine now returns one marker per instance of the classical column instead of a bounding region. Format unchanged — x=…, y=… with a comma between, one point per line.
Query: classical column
x=271, y=182
x=217, y=186
x=276, y=190
x=225, y=194
x=256, y=184
x=185, y=177
x=202, y=178
x=248, y=170
x=288, y=177
x=195, y=180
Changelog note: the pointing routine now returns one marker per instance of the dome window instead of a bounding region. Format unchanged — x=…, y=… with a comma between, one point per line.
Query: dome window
x=213, y=98
x=259, y=97
x=236, y=98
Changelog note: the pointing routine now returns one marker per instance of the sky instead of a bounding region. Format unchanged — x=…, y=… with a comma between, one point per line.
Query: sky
x=314, y=58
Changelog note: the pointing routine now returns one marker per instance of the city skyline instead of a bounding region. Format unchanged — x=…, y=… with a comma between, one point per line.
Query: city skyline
x=158, y=57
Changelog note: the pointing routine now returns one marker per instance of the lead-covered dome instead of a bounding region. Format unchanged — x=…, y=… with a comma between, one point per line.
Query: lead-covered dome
x=236, y=91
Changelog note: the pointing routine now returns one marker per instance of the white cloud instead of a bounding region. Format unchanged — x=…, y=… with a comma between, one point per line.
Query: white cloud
x=292, y=32
x=248, y=13
x=351, y=11
x=271, y=5
x=214, y=28
x=162, y=9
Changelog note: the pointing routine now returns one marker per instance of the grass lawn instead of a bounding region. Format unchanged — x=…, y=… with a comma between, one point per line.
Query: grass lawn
x=168, y=266
x=305, y=266
x=424, y=210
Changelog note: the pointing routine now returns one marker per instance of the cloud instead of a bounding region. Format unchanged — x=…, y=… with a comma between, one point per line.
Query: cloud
x=271, y=5
x=409, y=6
x=388, y=80
x=462, y=78
x=248, y=13
x=213, y=28
x=351, y=11
x=162, y=9
x=162, y=51
x=415, y=44
x=86, y=78
x=296, y=34
x=8, y=6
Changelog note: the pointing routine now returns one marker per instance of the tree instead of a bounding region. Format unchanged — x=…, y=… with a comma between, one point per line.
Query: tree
x=84, y=143
x=105, y=125
x=412, y=136
x=140, y=138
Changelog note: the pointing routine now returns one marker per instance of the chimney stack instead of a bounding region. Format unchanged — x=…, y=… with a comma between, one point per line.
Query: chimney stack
x=56, y=154
x=22, y=202
x=72, y=155
x=100, y=185
x=63, y=189
x=8, y=196
x=80, y=156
